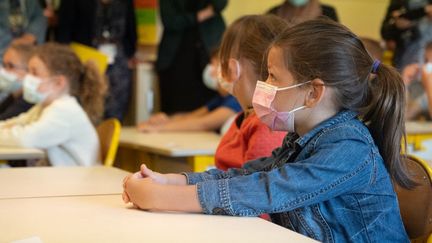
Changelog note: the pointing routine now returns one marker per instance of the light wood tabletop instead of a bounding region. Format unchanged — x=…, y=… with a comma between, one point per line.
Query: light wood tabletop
x=418, y=127
x=60, y=181
x=107, y=219
x=16, y=153
x=174, y=144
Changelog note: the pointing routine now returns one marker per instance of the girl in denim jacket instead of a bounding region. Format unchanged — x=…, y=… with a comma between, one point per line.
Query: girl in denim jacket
x=331, y=179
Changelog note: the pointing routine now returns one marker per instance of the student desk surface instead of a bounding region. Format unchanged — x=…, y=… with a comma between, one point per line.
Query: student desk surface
x=197, y=147
x=105, y=218
x=60, y=181
x=16, y=153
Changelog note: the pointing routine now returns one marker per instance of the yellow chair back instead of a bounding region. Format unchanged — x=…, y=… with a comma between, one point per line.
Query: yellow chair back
x=109, y=135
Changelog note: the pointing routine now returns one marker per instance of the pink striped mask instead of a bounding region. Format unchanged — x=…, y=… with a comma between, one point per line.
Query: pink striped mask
x=262, y=102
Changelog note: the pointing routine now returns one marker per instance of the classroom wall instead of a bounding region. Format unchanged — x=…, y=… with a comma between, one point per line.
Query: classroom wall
x=364, y=17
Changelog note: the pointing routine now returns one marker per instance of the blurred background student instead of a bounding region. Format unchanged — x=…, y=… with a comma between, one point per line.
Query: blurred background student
x=406, y=28
x=12, y=73
x=417, y=78
x=69, y=99
x=191, y=29
x=297, y=11
x=210, y=117
x=110, y=26
x=21, y=21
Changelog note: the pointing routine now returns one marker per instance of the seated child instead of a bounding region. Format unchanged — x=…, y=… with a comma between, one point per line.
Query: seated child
x=332, y=178
x=210, y=117
x=417, y=77
x=242, y=47
x=68, y=96
x=14, y=69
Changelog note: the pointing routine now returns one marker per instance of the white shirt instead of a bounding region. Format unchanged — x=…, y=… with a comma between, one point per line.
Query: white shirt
x=62, y=129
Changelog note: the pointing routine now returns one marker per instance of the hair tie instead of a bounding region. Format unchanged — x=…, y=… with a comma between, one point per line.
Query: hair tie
x=375, y=66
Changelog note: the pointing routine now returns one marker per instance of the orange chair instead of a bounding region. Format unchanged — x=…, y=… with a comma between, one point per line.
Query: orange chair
x=109, y=135
x=416, y=204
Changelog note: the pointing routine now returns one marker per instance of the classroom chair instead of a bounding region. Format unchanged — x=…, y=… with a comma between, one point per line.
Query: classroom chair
x=416, y=204
x=109, y=135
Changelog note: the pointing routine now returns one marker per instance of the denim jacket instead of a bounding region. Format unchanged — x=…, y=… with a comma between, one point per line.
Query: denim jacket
x=330, y=185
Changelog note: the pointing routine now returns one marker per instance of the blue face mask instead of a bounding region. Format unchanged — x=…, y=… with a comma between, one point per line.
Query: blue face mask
x=8, y=81
x=31, y=93
x=299, y=3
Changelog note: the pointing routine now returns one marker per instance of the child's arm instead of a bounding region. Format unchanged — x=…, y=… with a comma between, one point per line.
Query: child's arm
x=149, y=195
x=327, y=173
x=211, y=121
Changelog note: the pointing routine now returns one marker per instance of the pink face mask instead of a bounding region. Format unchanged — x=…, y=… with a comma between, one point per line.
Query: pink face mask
x=262, y=102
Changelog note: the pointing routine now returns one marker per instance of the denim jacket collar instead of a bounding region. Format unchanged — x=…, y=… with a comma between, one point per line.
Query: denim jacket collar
x=340, y=117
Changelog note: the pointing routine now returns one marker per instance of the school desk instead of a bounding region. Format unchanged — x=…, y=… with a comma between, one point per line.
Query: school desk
x=60, y=181
x=418, y=131
x=105, y=218
x=167, y=151
x=16, y=153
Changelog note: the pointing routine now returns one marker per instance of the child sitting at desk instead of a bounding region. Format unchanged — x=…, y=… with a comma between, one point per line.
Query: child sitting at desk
x=12, y=73
x=210, y=117
x=63, y=90
x=332, y=178
x=242, y=48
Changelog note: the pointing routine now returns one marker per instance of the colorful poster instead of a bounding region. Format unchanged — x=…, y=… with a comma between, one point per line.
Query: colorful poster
x=146, y=17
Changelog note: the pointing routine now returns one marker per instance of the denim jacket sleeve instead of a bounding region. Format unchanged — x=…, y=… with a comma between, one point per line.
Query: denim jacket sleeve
x=248, y=168
x=336, y=165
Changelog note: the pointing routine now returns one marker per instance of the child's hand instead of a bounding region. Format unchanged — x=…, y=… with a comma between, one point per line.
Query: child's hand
x=141, y=192
x=147, y=127
x=159, y=118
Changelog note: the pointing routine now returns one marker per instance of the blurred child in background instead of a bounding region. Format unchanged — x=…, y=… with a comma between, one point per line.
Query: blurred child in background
x=12, y=73
x=68, y=97
x=209, y=117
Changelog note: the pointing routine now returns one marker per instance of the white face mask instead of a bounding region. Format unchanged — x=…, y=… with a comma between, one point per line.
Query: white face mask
x=262, y=102
x=31, y=93
x=428, y=67
x=8, y=81
x=209, y=81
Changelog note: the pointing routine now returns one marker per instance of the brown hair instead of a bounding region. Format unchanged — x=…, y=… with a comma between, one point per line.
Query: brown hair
x=329, y=51
x=249, y=37
x=373, y=47
x=24, y=51
x=85, y=81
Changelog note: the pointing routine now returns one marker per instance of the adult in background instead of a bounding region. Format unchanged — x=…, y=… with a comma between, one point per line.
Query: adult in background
x=191, y=29
x=21, y=21
x=406, y=28
x=110, y=26
x=297, y=11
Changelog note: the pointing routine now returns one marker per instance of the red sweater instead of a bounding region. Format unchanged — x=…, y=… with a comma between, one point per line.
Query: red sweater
x=252, y=140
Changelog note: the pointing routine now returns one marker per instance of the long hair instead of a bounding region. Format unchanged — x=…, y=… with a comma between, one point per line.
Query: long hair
x=327, y=50
x=85, y=82
x=249, y=37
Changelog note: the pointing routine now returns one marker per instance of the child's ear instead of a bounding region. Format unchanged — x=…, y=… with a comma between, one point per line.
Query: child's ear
x=316, y=93
x=234, y=70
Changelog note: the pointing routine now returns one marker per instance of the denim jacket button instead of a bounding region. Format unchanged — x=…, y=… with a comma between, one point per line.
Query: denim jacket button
x=219, y=211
